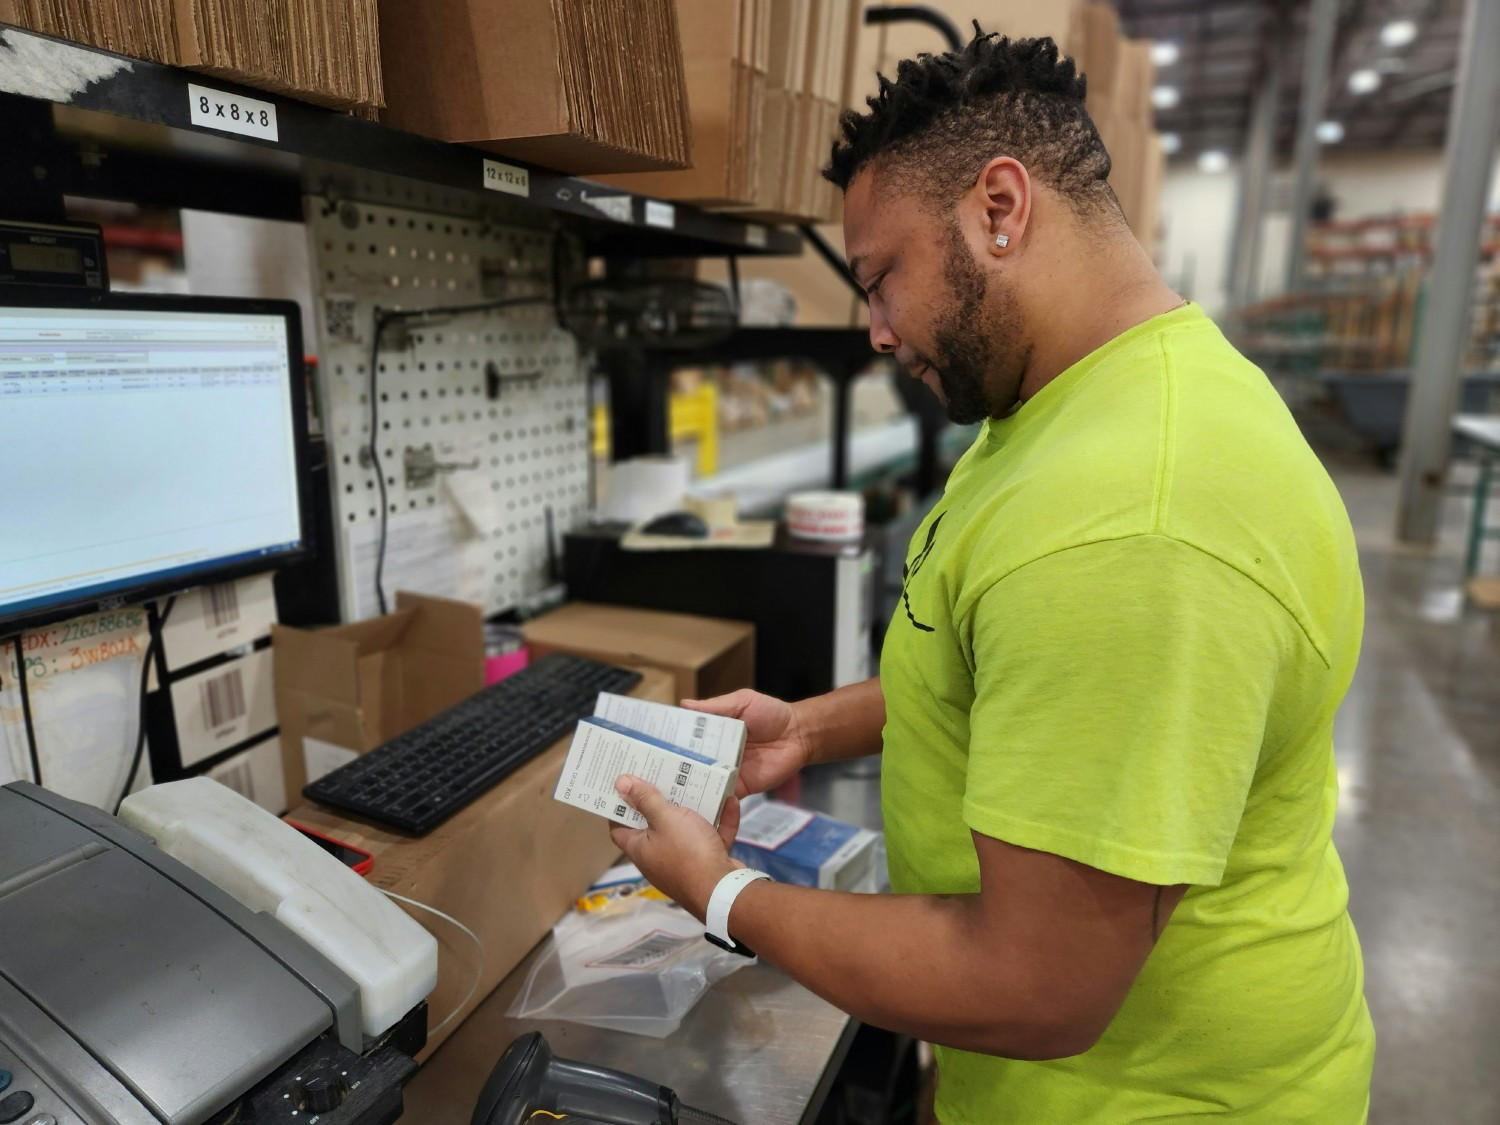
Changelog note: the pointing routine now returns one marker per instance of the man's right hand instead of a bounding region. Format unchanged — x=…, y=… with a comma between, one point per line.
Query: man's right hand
x=775, y=748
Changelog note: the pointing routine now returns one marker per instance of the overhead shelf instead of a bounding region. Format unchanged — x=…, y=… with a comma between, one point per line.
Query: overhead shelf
x=278, y=148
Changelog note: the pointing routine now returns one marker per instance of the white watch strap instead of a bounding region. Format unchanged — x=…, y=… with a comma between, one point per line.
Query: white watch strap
x=716, y=920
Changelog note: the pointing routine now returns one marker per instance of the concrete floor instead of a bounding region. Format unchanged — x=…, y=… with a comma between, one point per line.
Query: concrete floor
x=1418, y=746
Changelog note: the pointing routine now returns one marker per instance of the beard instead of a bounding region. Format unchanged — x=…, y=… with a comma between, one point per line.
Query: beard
x=967, y=358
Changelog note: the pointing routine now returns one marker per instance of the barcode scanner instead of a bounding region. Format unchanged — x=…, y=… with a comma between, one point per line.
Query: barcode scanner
x=530, y=1082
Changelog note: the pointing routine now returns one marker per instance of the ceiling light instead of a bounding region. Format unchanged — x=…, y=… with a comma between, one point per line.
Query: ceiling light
x=1212, y=161
x=1171, y=143
x=1329, y=132
x=1165, y=97
x=1398, y=33
x=1164, y=52
x=1364, y=82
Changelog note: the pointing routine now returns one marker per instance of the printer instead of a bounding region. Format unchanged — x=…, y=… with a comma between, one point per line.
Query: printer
x=197, y=962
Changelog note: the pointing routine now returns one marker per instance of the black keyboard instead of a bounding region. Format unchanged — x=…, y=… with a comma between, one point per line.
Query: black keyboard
x=419, y=779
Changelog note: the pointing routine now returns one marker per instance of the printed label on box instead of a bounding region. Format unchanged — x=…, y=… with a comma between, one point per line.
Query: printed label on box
x=223, y=706
x=256, y=775
x=771, y=825
x=214, y=619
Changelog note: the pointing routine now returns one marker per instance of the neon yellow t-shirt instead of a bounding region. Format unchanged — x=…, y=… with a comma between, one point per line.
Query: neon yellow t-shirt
x=1124, y=633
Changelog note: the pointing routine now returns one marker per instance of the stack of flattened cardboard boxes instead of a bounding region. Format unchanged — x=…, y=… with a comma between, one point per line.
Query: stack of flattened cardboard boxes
x=726, y=53
x=767, y=80
x=322, y=51
x=582, y=86
x=1120, y=77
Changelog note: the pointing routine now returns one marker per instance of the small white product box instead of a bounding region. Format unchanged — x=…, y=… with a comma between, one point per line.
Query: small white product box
x=692, y=758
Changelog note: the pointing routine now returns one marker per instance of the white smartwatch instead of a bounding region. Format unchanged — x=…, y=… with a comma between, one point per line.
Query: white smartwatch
x=716, y=919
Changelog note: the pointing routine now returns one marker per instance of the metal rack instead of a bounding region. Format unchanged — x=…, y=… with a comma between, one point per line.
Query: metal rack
x=484, y=440
x=186, y=162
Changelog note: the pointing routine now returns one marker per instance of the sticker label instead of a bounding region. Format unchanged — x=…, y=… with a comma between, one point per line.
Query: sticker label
x=646, y=953
x=231, y=113
x=617, y=207
x=507, y=178
x=659, y=214
x=755, y=235
x=771, y=825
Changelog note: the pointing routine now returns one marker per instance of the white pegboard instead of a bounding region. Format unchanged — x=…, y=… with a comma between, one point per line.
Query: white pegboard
x=478, y=532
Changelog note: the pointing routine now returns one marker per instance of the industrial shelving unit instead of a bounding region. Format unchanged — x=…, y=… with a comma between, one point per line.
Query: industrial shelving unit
x=397, y=221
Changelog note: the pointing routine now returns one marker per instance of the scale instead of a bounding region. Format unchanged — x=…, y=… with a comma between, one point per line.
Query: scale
x=70, y=255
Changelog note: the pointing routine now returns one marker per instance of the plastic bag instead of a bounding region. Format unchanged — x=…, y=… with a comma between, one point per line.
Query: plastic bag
x=638, y=967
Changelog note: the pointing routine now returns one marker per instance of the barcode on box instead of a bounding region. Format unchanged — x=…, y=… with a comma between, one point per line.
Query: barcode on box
x=223, y=698
x=223, y=603
x=238, y=777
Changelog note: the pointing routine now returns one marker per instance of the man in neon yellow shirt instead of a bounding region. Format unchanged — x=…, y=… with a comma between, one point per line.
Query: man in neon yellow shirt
x=1106, y=700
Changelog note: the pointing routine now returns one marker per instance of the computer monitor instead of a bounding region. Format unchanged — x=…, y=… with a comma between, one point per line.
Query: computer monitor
x=147, y=445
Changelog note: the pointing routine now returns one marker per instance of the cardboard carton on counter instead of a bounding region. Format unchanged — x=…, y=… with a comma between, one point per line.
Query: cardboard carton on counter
x=707, y=656
x=351, y=687
x=510, y=864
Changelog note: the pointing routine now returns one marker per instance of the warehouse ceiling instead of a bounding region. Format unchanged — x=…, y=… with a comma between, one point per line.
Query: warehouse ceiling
x=1225, y=47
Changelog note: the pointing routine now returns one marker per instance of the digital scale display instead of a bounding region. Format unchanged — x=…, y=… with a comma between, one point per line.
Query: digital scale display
x=70, y=255
x=46, y=259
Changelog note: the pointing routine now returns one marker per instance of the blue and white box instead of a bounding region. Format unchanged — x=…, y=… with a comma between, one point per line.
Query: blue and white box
x=808, y=849
x=691, y=757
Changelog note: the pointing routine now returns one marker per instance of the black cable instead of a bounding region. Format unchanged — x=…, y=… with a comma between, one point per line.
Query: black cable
x=384, y=318
x=36, y=760
x=734, y=283
x=381, y=321
x=152, y=648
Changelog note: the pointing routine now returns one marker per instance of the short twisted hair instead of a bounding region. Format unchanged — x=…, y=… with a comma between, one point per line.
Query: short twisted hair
x=946, y=116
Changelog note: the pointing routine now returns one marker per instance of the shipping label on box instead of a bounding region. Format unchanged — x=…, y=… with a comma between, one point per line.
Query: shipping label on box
x=256, y=774
x=223, y=706
x=602, y=751
x=215, y=619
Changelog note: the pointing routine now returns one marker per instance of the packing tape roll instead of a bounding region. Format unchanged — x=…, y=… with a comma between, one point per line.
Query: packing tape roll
x=832, y=516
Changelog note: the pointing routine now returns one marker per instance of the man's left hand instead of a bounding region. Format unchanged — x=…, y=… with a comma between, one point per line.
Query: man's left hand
x=680, y=853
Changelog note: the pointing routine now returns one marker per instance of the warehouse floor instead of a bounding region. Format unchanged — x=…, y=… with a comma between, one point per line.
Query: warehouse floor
x=1418, y=746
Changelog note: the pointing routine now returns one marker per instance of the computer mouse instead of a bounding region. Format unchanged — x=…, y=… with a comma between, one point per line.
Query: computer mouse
x=684, y=525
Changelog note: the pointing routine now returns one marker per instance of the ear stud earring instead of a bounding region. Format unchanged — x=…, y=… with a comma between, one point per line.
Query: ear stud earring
x=1002, y=240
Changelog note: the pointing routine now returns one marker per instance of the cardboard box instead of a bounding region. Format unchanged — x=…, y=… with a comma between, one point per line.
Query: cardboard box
x=214, y=619
x=716, y=75
x=582, y=86
x=256, y=774
x=692, y=758
x=508, y=866
x=222, y=707
x=807, y=849
x=356, y=686
x=323, y=51
x=707, y=656
x=1098, y=55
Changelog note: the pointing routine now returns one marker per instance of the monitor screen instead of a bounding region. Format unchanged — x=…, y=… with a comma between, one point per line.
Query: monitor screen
x=148, y=446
